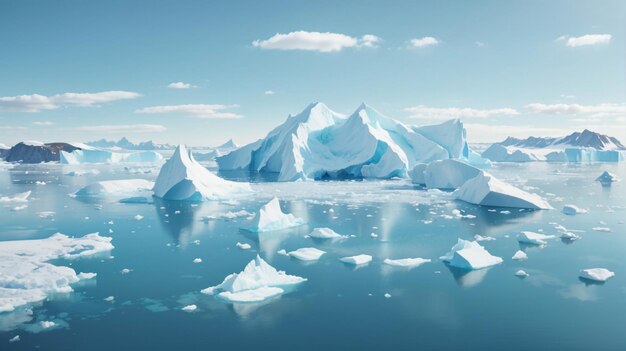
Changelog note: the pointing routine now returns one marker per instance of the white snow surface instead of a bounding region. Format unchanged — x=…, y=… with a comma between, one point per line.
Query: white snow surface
x=596, y=274
x=271, y=217
x=120, y=187
x=448, y=174
x=257, y=282
x=319, y=143
x=470, y=255
x=183, y=178
x=27, y=277
x=487, y=190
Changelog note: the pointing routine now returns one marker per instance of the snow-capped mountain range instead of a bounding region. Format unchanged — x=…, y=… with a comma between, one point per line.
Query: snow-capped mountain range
x=586, y=138
x=126, y=144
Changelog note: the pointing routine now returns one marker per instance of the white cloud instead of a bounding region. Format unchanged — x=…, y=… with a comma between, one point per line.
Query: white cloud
x=316, y=41
x=587, y=39
x=269, y=92
x=598, y=110
x=123, y=128
x=36, y=102
x=194, y=110
x=180, y=85
x=43, y=123
x=424, y=42
x=437, y=113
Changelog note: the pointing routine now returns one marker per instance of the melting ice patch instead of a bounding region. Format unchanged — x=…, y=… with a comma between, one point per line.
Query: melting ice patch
x=470, y=255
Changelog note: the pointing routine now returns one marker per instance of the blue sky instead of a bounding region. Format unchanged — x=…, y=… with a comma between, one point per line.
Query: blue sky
x=83, y=70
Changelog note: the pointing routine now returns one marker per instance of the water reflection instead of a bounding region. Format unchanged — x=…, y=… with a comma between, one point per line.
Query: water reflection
x=468, y=278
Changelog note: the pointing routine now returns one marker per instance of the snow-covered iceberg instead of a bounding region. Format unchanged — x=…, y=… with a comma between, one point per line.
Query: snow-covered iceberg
x=26, y=276
x=533, y=238
x=470, y=255
x=306, y=254
x=320, y=143
x=94, y=155
x=182, y=178
x=596, y=274
x=448, y=174
x=357, y=260
x=326, y=233
x=257, y=282
x=501, y=153
x=572, y=210
x=271, y=217
x=115, y=187
x=486, y=190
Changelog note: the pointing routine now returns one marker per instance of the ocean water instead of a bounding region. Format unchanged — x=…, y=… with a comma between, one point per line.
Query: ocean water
x=431, y=306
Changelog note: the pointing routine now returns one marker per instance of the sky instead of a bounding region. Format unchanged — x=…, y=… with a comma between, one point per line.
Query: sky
x=202, y=72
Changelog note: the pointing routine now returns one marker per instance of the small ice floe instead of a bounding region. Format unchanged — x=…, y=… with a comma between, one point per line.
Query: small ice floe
x=282, y=252
x=572, y=210
x=138, y=217
x=15, y=339
x=458, y=214
x=125, y=271
x=326, y=233
x=479, y=237
x=521, y=273
x=230, y=215
x=189, y=308
x=387, y=295
x=470, y=255
x=596, y=274
x=86, y=275
x=47, y=324
x=271, y=217
x=243, y=246
x=109, y=298
x=569, y=236
x=20, y=197
x=374, y=235
x=533, y=238
x=197, y=260
x=19, y=208
x=505, y=212
x=307, y=254
x=107, y=187
x=257, y=282
x=602, y=229
x=519, y=256
x=46, y=214
x=357, y=260
x=606, y=178
x=406, y=262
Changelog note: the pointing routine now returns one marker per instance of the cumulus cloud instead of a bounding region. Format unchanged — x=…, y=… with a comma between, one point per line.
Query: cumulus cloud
x=598, y=110
x=424, y=42
x=587, y=39
x=123, y=128
x=180, y=85
x=213, y=111
x=36, y=102
x=316, y=41
x=442, y=113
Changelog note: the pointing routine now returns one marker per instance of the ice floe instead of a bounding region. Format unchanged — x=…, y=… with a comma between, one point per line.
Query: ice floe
x=271, y=217
x=357, y=260
x=406, y=262
x=94, y=155
x=572, y=210
x=115, y=187
x=596, y=274
x=519, y=256
x=326, y=233
x=470, y=255
x=19, y=197
x=306, y=254
x=243, y=246
x=521, y=273
x=533, y=238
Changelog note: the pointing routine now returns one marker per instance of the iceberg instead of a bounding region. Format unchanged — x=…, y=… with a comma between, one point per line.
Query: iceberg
x=26, y=276
x=596, y=274
x=521, y=273
x=448, y=174
x=533, y=238
x=406, y=262
x=319, y=143
x=112, y=187
x=326, y=233
x=417, y=174
x=519, y=256
x=307, y=254
x=182, y=178
x=357, y=260
x=93, y=155
x=470, y=255
x=572, y=210
x=486, y=190
x=501, y=153
x=270, y=217
x=19, y=197
x=606, y=178
x=257, y=282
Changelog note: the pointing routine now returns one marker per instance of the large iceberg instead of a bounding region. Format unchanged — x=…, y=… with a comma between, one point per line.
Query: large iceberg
x=448, y=174
x=486, y=190
x=26, y=276
x=501, y=153
x=257, y=282
x=94, y=155
x=470, y=255
x=319, y=143
x=271, y=217
x=182, y=178
x=115, y=187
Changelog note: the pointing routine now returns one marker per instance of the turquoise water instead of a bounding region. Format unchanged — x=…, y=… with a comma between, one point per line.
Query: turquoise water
x=431, y=306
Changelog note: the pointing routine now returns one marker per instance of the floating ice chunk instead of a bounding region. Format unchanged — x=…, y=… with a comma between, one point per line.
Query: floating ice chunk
x=521, y=273
x=406, y=262
x=78, y=173
x=15, y=339
x=307, y=254
x=125, y=271
x=46, y=214
x=387, y=295
x=138, y=217
x=596, y=274
x=458, y=214
x=357, y=260
x=326, y=233
x=573, y=210
x=479, y=237
x=86, y=275
x=602, y=229
x=486, y=190
x=106, y=187
x=243, y=246
x=270, y=217
x=19, y=197
x=230, y=215
x=519, y=255
x=47, y=324
x=109, y=298
x=257, y=282
x=183, y=178
x=189, y=308
x=374, y=235
x=94, y=155
x=448, y=174
x=197, y=260
x=607, y=178
x=533, y=238
x=569, y=236
x=19, y=208
x=470, y=255
x=282, y=252
x=27, y=277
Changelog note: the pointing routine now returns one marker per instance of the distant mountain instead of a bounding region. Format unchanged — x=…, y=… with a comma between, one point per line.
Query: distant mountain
x=37, y=152
x=129, y=145
x=586, y=138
